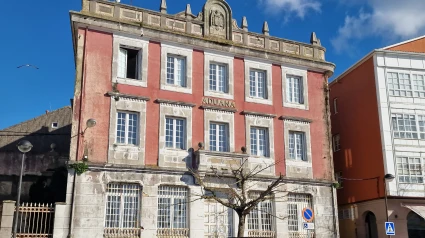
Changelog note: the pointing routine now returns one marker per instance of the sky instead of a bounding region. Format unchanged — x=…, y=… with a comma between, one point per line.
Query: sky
x=38, y=33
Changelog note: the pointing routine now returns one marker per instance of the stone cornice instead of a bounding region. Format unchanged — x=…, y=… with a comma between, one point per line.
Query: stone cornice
x=178, y=103
x=298, y=119
x=129, y=96
x=260, y=114
x=219, y=108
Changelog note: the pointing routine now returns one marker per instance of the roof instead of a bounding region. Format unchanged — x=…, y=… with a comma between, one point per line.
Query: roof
x=41, y=132
x=403, y=43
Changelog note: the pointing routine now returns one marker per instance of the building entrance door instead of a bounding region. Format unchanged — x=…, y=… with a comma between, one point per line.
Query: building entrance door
x=371, y=228
x=415, y=225
x=218, y=220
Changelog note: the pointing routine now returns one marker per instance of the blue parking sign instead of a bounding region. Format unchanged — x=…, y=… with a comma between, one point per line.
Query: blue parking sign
x=389, y=228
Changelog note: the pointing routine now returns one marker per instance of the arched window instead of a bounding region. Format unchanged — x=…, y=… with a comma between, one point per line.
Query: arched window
x=415, y=225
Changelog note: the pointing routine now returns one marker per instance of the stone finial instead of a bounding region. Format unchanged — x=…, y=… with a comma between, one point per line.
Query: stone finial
x=188, y=10
x=244, y=24
x=266, y=28
x=163, y=7
x=314, y=40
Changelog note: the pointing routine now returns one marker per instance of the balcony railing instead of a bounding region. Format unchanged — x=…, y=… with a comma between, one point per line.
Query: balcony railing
x=173, y=233
x=254, y=233
x=36, y=220
x=122, y=232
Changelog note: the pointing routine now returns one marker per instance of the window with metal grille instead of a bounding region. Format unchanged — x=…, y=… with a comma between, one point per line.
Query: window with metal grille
x=128, y=63
x=294, y=89
x=297, y=145
x=404, y=126
x=259, y=141
x=410, y=170
x=336, y=142
x=122, y=207
x=261, y=217
x=257, y=83
x=176, y=70
x=296, y=203
x=127, y=128
x=219, y=137
x=218, y=78
x=172, y=207
x=175, y=133
x=218, y=220
x=399, y=84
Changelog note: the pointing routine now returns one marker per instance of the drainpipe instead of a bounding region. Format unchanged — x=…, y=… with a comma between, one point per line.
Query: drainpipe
x=71, y=223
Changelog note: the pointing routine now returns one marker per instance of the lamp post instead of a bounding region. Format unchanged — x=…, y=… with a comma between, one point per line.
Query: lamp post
x=23, y=146
x=389, y=178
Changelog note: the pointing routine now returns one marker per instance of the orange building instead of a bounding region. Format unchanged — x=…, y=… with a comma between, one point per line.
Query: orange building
x=378, y=129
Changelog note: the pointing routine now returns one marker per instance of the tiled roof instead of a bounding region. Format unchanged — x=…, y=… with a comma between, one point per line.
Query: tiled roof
x=40, y=132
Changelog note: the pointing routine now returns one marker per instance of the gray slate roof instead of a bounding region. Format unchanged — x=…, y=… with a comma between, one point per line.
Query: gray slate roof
x=40, y=133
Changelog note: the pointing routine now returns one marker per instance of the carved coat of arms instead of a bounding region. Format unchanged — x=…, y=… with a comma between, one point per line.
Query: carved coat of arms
x=217, y=20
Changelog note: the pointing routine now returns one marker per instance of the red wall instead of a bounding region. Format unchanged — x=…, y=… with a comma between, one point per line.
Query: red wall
x=357, y=122
x=100, y=76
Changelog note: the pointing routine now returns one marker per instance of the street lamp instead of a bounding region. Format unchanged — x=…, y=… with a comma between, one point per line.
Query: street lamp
x=389, y=178
x=23, y=146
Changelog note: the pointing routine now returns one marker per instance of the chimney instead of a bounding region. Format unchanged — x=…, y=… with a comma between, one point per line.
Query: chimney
x=47, y=111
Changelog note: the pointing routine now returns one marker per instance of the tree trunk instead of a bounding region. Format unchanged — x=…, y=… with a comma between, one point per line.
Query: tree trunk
x=241, y=225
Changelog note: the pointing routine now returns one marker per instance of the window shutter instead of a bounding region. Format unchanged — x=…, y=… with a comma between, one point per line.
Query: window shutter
x=122, y=63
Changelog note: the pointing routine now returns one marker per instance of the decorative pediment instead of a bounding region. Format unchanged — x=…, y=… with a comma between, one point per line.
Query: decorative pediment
x=217, y=19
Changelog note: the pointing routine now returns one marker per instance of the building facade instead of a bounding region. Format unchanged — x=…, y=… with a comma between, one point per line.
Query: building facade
x=172, y=92
x=377, y=123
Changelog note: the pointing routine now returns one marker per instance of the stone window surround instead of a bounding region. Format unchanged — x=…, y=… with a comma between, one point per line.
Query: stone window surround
x=299, y=72
x=178, y=111
x=264, y=122
x=220, y=59
x=292, y=125
x=212, y=115
x=185, y=52
x=267, y=67
x=117, y=152
x=142, y=68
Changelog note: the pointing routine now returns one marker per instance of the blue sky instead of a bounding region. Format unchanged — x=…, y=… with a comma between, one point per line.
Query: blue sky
x=38, y=33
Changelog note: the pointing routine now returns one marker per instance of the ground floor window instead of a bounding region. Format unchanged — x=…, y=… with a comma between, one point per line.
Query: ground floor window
x=172, y=211
x=261, y=219
x=122, y=214
x=218, y=220
x=415, y=225
x=296, y=203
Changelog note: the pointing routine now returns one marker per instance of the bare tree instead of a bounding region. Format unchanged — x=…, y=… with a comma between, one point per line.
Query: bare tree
x=236, y=196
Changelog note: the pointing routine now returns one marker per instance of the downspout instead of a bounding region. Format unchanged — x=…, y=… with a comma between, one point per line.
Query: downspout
x=329, y=134
x=71, y=225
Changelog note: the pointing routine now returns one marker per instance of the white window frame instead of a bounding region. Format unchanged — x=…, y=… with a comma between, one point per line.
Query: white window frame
x=217, y=78
x=258, y=221
x=176, y=59
x=168, y=49
x=141, y=44
x=405, y=171
x=290, y=91
x=295, y=220
x=257, y=139
x=124, y=190
x=223, y=59
x=415, y=134
x=174, y=119
x=335, y=105
x=126, y=138
x=336, y=139
x=172, y=191
x=55, y=125
x=302, y=74
x=297, y=155
x=257, y=83
x=257, y=65
x=217, y=136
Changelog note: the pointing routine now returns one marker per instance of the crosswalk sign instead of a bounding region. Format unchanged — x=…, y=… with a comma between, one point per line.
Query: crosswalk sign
x=389, y=229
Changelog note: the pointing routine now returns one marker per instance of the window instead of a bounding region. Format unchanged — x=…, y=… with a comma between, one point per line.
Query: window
x=176, y=70
x=55, y=125
x=175, y=133
x=218, y=78
x=294, y=89
x=336, y=142
x=409, y=170
x=399, y=84
x=404, y=126
x=296, y=204
x=172, y=207
x=128, y=63
x=218, y=220
x=122, y=208
x=335, y=105
x=418, y=85
x=127, y=127
x=219, y=137
x=261, y=217
x=257, y=84
x=421, y=124
x=259, y=141
x=297, y=147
